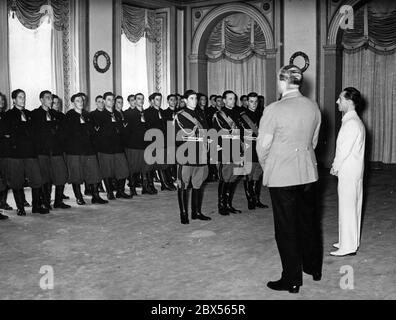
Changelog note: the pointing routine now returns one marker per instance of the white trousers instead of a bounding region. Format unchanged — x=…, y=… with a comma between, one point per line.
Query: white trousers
x=350, y=197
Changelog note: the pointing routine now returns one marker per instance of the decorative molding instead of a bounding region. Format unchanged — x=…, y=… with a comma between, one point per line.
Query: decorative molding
x=204, y=11
x=335, y=21
x=229, y=9
x=161, y=53
x=67, y=56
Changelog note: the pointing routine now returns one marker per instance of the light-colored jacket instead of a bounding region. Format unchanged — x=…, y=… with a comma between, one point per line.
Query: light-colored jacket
x=288, y=135
x=349, y=158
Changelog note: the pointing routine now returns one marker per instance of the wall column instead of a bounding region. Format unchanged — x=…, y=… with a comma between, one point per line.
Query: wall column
x=271, y=89
x=4, y=61
x=100, y=38
x=331, y=117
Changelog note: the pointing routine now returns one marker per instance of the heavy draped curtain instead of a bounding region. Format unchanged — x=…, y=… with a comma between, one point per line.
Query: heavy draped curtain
x=139, y=24
x=68, y=40
x=236, y=56
x=370, y=66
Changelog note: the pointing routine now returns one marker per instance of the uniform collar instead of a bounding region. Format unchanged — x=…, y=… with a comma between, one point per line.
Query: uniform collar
x=349, y=115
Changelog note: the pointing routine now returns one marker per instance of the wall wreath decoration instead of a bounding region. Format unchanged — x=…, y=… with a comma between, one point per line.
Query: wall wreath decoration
x=95, y=61
x=304, y=56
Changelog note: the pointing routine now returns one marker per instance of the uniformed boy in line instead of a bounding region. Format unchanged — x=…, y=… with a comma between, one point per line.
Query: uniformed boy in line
x=82, y=164
x=108, y=140
x=190, y=130
x=46, y=123
x=250, y=121
x=226, y=122
x=22, y=160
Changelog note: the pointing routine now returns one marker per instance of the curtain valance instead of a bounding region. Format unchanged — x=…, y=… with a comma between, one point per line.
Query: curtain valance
x=374, y=28
x=138, y=23
x=236, y=37
x=31, y=12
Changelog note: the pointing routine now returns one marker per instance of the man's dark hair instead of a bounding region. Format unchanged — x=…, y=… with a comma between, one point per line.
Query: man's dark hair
x=189, y=93
x=77, y=95
x=119, y=97
x=139, y=94
x=98, y=97
x=354, y=95
x=130, y=97
x=252, y=95
x=243, y=97
x=108, y=94
x=43, y=93
x=154, y=95
x=213, y=96
x=227, y=93
x=54, y=96
x=15, y=93
x=170, y=96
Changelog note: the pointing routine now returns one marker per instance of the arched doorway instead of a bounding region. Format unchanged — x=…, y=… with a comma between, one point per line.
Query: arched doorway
x=197, y=58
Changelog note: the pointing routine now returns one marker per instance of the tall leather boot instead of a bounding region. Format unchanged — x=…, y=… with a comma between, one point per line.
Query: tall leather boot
x=164, y=181
x=169, y=179
x=100, y=187
x=145, y=185
x=230, y=196
x=150, y=178
x=25, y=203
x=3, y=201
x=96, y=199
x=87, y=189
x=19, y=199
x=46, y=193
x=121, y=190
x=132, y=184
x=109, y=188
x=248, y=192
x=196, y=205
x=37, y=202
x=183, y=205
x=257, y=191
x=77, y=193
x=221, y=197
x=59, y=204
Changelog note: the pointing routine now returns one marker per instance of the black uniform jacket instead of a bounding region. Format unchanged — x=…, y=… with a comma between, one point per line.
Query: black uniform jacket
x=19, y=132
x=249, y=130
x=133, y=133
x=108, y=127
x=46, y=132
x=224, y=122
x=77, y=133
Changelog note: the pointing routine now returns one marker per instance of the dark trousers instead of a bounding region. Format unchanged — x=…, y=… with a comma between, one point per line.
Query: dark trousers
x=297, y=231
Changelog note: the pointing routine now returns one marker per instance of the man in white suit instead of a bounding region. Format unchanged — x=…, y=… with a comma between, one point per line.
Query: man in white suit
x=348, y=165
x=288, y=135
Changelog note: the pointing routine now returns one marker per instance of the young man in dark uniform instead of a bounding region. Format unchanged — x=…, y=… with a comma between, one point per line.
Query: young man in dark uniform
x=3, y=160
x=77, y=135
x=169, y=115
x=45, y=122
x=22, y=157
x=250, y=121
x=155, y=120
x=133, y=139
x=227, y=121
x=112, y=161
x=189, y=131
x=3, y=156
